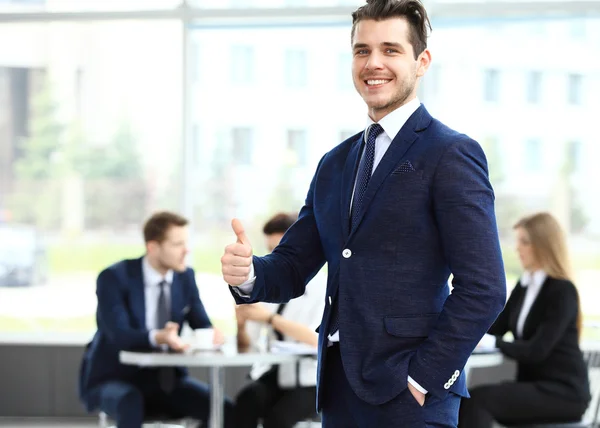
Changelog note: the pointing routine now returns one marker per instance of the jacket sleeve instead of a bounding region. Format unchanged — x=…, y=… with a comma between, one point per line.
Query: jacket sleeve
x=561, y=309
x=113, y=315
x=500, y=326
x=463, y=204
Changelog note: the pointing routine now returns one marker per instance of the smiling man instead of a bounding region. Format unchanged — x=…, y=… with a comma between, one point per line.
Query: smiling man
x=393, y=211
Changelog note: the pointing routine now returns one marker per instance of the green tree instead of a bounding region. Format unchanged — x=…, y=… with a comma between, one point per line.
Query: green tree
x=40, y=153
x=115, y=189
x=40, y=161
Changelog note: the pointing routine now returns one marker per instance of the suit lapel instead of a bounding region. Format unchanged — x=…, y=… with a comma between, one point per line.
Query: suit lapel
x=514, y=315
x=400, y=144
x=531, y=315
x=137, y=300
x=348, y=177
x=176, y=297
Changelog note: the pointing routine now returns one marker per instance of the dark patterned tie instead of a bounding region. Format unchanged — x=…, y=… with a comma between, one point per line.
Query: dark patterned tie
x=166, y=375
x=365, y=170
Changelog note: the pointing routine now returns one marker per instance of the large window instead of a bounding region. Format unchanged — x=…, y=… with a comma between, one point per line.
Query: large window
x=242, y=64
x=90, y=145
x=257, y=4
x=85, y=5
x=93, y=137
x=534, y=87
x=297, y=146
x=242, y=145
x=344, y=67
x=296, y=68
x=491, y=85
x=575, y=89
x=533, y=155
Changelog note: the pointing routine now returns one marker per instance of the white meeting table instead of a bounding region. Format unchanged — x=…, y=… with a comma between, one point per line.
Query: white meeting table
x=216, y=361
x=228, y=356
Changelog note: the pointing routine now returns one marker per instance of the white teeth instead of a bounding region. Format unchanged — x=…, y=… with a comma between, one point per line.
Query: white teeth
x=376, y=82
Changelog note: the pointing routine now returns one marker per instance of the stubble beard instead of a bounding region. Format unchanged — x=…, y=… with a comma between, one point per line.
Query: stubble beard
x=399, y=99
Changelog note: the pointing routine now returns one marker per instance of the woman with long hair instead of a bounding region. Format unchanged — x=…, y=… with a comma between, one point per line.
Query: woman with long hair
x=543, y=314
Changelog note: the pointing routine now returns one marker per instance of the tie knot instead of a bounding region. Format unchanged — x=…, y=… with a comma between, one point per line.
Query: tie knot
x=374, y=131
x=162, y=284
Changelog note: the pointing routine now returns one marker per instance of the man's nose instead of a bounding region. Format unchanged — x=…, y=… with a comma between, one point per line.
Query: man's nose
x=374, y=62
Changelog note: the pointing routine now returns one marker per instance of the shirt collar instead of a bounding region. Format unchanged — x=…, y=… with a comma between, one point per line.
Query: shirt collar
x=152, y=277
x=536, y=278
x=394, y=121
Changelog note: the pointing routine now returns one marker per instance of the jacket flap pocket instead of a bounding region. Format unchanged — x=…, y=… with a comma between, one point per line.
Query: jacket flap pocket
x=414, y=326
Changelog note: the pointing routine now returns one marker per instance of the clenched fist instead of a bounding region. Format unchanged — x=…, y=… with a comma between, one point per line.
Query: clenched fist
x=236, y=262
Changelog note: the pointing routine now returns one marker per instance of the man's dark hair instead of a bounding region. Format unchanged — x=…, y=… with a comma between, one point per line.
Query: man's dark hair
x=279, y=223
x=156, y=227
x=412, y=10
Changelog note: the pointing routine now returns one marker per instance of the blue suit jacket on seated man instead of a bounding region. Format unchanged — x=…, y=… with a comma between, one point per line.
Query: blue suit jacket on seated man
x=121, y=319
x=127, y=317
x=390, y=244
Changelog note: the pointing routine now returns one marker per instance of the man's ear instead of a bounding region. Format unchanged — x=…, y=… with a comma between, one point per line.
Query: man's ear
x=151, y=247
x=423, y=62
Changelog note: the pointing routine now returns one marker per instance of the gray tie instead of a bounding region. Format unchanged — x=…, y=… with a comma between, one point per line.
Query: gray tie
x=163, y=312
x=166, y=375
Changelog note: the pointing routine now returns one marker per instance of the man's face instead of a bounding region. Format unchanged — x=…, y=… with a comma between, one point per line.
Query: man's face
x=384, y=68
x=170, y=253
x=273, y=240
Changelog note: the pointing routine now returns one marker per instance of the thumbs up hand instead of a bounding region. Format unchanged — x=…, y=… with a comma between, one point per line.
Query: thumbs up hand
x=236, y=262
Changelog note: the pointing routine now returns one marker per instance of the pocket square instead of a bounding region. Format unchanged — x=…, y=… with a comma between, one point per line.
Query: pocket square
x=404, y=167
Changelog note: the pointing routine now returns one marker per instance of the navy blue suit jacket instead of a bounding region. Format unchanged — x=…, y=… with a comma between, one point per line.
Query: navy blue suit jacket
x=428, y=212
x=121, y=319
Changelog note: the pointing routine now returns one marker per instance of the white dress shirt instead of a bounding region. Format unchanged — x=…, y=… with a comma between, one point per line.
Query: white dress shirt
x=152, y=279
x=306, y=310
x=533, y=281
x=392, y=123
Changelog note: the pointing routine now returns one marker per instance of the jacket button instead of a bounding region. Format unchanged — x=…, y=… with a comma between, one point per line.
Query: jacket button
x=456, y=373
x=346, y=253
x=329, y=300
x=447, y=386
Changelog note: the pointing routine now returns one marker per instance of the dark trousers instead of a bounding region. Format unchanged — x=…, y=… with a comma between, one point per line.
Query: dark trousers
x=264, y=400
x=343, y=409
x=128, y=403
x=514, y=403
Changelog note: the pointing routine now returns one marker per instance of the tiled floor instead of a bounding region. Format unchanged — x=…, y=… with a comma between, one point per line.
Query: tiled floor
x=47, y=423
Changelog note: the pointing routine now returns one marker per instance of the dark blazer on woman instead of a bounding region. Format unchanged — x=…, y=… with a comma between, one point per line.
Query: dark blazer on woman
x=548, y=352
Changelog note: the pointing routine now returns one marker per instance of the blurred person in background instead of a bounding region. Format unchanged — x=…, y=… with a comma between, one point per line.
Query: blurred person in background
x=142, y=304
x=284, y=394
x=544, y=316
